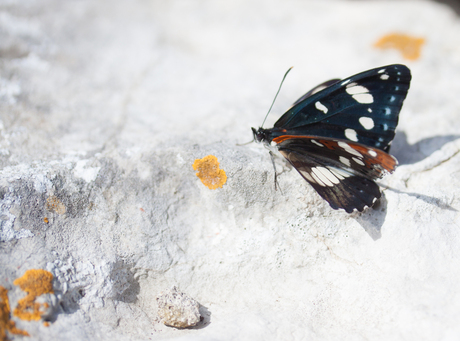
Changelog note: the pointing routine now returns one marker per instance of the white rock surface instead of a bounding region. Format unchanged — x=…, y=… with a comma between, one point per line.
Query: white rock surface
x=104, y=106
x=177, y=309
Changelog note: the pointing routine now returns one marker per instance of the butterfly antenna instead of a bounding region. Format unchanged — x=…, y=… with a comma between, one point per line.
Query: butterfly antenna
x=243, y=144
x=276, y=95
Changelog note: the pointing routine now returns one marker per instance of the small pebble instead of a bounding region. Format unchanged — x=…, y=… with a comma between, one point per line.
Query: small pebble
x=176, y=309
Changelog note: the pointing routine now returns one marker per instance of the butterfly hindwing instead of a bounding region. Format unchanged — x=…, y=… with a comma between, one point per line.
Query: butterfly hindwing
x=363, y=108
x=349, y=193
x=340, y=171
x=350, y=156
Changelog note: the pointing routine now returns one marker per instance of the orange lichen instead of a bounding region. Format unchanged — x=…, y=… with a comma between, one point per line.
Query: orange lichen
x=34, y=283
x=409, y=46
x=46, y=220
x=54, y=204
x=209, y=173
x=46, y=324
x=5, y=322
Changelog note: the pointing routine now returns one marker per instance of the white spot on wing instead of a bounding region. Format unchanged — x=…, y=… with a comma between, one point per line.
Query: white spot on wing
x=325, y=176
x=339, y=173
x=392, y=98
x=317, y=171
x=336, y=174
x=345, y=82
x=307, y=175
x=358, y=161
x=345, y=161
x=327, y=172
x=317, y=180
x=363, y=98
x=320, y=106
x=351, y=135
x=384, y=77
x=353, y=89
x=381, y=71
x=385, y=126
x=369, y=109
x=348, y=149
x=317, y=143
x=366, y=122
x=387, y=111
x=372, y=153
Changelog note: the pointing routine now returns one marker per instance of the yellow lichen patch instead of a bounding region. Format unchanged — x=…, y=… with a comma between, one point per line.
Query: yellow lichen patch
x=46, y=220
x=209, y=173
x=409, y=46
x=5, y=322
x=54, y=204
x=34, y=283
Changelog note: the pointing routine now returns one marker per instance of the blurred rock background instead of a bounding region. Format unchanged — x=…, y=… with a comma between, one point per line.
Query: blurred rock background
x=104, y=107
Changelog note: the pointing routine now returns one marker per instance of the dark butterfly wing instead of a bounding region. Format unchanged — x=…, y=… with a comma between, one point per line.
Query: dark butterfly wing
x=342, y=172
x=316, y=89
x=363, y=108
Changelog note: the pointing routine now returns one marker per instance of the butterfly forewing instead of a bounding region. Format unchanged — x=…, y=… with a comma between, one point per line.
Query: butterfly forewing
x=316, y=89
x=363, y=108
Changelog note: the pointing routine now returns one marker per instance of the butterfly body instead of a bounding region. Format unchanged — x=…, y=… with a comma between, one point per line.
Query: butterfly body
x=338, y=134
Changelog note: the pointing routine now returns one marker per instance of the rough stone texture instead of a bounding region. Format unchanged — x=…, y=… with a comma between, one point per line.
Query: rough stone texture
x=105, y=105
x=176, y=309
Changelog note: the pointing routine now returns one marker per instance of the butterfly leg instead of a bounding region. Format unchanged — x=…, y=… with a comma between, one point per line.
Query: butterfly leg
x=277, y=185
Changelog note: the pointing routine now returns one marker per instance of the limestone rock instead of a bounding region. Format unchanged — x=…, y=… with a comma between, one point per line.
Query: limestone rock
x=177, y=309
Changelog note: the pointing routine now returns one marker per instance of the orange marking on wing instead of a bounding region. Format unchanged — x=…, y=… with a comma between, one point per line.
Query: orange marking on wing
x=382, y=158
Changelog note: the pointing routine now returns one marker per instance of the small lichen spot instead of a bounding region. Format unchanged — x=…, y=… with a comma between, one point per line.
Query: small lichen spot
x=34, y=283
x=209, y=173
x=409, y=47
x=46, y=220
x=55, y=205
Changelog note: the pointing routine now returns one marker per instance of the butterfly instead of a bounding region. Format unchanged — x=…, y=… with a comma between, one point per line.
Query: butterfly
x=338, y=135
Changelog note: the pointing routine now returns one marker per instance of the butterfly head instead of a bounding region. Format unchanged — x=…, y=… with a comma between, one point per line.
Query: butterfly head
x=260, y=135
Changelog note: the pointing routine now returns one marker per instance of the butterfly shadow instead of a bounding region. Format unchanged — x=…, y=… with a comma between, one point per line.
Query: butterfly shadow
x=407, y=154
x=373, y=218
x=454, y=4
